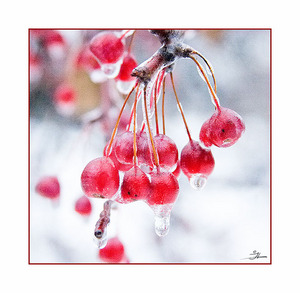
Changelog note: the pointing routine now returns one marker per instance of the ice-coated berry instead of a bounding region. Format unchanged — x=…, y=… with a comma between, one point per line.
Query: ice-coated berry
x=129, y=63
x=86, y=60
x=49, y=187
x=143, y=150
x=107, y=47
x=112, y=156
x=166, y=150
x=113, y=252
x=164, y=188
x=135, y=185
x=223, y=129
x=124, y=147
x=100, y=178
x=196, y=160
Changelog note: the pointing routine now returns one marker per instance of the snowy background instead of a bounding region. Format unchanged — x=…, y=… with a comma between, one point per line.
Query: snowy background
x=223, y=223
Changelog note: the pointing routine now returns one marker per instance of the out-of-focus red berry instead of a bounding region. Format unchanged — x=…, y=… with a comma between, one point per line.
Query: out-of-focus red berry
x=113, y=252
x=83, y=206
x=107, y=47
x=49, y=187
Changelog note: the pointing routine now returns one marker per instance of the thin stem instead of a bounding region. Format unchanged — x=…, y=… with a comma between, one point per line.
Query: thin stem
x=209, y=66
x=149, y=129
x=155, y=106
x=134, y=126
x=163, y=106
x=130, y=43
x=216, y=100
x=180, y=108
x=118, y=121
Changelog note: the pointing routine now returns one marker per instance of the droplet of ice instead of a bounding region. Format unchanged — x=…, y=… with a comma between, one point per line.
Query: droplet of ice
x=198, y=181
x=162, y=215
x=111, y=70
x=97, y=76
x=125, y=87
x=162, y=225
x=101, y=242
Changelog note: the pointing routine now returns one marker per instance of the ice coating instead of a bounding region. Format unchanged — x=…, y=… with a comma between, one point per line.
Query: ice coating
x=167, y=151
x=195, y=160
x=198, y=181
x=111, y=70
x=164, y=188
x=223, y=129
x=162, y=214
x=107, y=47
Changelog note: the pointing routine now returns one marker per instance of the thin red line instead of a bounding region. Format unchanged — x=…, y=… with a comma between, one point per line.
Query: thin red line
x=28, y=146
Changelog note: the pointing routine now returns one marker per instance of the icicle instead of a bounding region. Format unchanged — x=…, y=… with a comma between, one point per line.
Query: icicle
x=198, y=181
x=162, y=215
x=112, y=70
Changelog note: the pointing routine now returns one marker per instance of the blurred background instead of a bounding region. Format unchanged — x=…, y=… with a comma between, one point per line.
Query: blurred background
x=223, y=223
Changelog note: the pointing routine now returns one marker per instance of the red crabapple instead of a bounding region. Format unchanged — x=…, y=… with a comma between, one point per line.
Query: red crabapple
x=204, y=134
x=196, y=160
x=124, y=147
x=166, y=150
x=135, y=186
x=64, y=99
x=128, y=64
x=143, y=150
x=107, y=47
x=83, y=206
x=100, y=178
x=49, y=187
x=86, y=60
x=177, y=170
x=113, y=252
x=64, y=94
x=223, y=129
x=112, y=156
x=164, y=188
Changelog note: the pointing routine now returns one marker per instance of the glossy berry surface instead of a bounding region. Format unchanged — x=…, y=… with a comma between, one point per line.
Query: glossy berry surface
x=129, y=63
x=135, y=186
x=112, y=156
x=113, y=252
x=83, y=206
x=100, y=178
x=107, y=47
x=177, y=170
x=143, y=150
x=223, y=129
x=167, y=151
x=164, y=188
x=49, y=187
x=196, y=160
x=124, y=147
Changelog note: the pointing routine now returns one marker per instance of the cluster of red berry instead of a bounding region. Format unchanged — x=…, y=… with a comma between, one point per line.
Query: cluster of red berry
x=136, y=165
